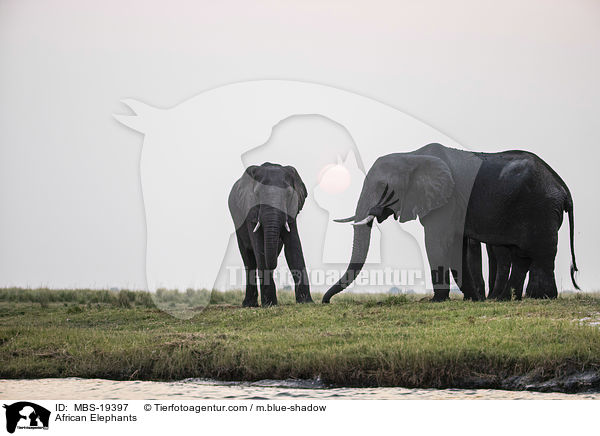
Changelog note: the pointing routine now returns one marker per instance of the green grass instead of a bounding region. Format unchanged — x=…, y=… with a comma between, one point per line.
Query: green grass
x=358, y=340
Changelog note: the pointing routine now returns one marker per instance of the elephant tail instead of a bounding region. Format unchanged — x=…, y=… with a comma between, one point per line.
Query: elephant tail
x=569, y=210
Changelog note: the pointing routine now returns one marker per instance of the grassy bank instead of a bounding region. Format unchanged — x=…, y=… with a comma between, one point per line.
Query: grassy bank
x=357, y=340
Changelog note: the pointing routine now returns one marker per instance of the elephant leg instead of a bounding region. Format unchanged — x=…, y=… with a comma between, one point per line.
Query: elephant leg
x=491, y=268
x=475, y=269
x=295, y=261
x=520, y=266
x=461, y=274
x=542, y=283
x=473, y=286
x=251, y=298
x=466, y=283
x=439, y=264
x=502, y=255
x=268, y=295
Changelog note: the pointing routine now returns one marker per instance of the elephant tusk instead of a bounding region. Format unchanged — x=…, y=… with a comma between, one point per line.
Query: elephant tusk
x=256, y=228
x=345, y=220
x=398, y=214
x=367, y=220
x=287, y=226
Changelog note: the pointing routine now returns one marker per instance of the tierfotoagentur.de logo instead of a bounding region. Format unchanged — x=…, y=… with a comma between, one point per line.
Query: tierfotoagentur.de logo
x=24, y=415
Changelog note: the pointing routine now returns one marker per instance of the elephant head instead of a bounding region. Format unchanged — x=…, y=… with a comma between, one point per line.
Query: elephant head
x=269, y=198
x=400, y=184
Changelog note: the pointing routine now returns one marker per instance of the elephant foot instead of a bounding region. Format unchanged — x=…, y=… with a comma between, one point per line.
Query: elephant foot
x=269, y=303
x=440, y=295
x=505, y=295
x=250, y=303
x=473, y=298
x=439, y=299
x=304, y=300
x=303, y=295
x=543, y=296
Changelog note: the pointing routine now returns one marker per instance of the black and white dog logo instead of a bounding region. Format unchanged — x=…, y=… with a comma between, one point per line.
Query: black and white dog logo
x=26, y=415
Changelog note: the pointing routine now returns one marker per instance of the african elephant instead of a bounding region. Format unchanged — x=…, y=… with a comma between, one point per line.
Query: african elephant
x=264, y=204
x=509, y=199
x=508, y=265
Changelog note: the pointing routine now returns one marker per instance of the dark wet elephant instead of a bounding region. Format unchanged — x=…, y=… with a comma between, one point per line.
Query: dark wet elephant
x=264, y=204
x=509, y=265
x=507, y=199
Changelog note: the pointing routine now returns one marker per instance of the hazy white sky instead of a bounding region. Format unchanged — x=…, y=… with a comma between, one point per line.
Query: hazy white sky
x=491, y=75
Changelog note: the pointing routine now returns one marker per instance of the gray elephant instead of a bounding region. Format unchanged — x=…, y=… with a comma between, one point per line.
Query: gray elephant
x=264, y=204
x=509, y=199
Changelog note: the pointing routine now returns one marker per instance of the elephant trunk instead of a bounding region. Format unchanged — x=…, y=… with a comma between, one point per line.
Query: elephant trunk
x=360, y=249
x=273, y=221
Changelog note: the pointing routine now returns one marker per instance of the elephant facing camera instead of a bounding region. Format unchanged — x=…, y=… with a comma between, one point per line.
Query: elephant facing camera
x=264, y=204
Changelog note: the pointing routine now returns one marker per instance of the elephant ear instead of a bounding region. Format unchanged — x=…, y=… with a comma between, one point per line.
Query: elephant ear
x=430, y=186
x=298, y=186
x=242, y=197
